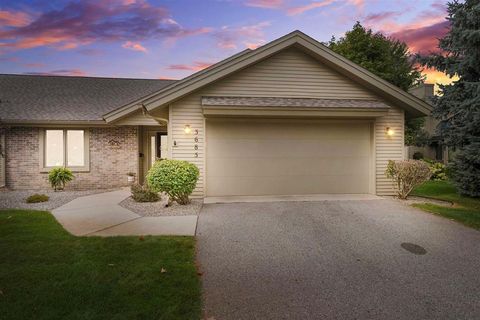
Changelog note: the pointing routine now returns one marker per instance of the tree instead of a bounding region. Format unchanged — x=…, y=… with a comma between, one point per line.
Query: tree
x=387, y=58
x=458, y=105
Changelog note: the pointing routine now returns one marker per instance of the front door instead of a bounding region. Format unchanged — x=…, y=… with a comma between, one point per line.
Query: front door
x=155, y=147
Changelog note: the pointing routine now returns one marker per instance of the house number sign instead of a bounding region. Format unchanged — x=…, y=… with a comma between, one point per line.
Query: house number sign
x=195, y=146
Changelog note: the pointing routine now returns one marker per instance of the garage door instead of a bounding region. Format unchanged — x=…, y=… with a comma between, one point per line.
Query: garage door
x=287, y=157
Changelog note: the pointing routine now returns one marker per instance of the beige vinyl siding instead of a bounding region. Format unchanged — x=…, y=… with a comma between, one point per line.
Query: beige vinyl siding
x=388, y=147
x=183, y=112
x=289, y=73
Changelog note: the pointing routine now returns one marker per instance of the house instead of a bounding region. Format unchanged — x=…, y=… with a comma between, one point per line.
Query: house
x=434, y=150
x=290, y=117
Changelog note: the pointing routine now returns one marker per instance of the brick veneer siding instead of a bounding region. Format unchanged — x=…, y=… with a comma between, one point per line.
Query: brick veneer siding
x=113, y=153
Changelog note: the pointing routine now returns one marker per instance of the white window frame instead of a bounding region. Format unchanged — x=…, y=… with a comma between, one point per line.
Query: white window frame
x=86, y=148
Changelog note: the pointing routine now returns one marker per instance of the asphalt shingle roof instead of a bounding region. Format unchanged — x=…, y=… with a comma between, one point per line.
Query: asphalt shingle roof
x=57, y=98
x=292, y=102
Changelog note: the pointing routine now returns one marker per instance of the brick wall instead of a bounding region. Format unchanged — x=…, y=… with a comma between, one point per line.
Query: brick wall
x=113, y=153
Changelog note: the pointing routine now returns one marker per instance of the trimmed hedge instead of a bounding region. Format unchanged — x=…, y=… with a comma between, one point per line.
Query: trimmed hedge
x=177, y=178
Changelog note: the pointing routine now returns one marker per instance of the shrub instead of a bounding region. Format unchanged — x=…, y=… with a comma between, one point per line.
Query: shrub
x=407, y=174
x=176, y=178
x=438, y=170
x=143, y=193
x=35, y=198
x=58, y=177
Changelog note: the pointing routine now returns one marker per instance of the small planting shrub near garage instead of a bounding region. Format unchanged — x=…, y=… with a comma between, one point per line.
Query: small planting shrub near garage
x=143, y=193
x=35, y=198
x=407, y=174
x=177, y=178
x=58, y=178
x=438, y=170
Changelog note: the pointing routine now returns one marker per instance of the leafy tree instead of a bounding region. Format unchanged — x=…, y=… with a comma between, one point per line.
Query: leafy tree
x=458, y=106
x=387, y=58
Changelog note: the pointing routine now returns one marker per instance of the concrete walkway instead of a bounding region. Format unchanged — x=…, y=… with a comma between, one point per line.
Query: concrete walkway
x=100, y=215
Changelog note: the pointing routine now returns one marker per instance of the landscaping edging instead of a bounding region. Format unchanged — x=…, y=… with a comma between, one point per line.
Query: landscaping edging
x=158, y=209
x=15, y=199
x=416, y=199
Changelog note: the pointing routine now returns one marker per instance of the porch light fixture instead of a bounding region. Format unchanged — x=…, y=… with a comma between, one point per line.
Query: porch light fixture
x=390, y=132
x=187, y=129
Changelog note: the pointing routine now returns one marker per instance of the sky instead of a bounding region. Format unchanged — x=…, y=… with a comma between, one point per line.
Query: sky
x=172, y=39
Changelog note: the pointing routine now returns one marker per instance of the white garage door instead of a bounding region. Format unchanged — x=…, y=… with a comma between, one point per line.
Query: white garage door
x=287, y=157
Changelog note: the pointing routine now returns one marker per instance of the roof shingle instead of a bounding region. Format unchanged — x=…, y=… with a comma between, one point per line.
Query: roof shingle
x=60, y=98
x=292, y=102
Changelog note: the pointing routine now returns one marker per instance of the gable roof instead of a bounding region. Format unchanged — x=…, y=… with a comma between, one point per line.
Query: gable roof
x=414, y=106
x=27, y=98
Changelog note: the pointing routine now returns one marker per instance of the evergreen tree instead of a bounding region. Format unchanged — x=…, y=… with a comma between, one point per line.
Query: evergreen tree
x=387, y=58
x=458, y=106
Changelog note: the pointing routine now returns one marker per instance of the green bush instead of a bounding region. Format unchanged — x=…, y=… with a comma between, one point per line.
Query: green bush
x=438, y=170
x=176, y=178
x=143, y=193
x=58, y=177
x=35, y=198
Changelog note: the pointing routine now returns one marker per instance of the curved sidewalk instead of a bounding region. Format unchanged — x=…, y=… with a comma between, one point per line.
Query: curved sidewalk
x=101, y=215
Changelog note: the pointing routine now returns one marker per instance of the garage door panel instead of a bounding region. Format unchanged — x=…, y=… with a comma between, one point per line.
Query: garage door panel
x=264, y=167
x=278, y=157
x=286, y=148
x=283, y=185
x=281, y=129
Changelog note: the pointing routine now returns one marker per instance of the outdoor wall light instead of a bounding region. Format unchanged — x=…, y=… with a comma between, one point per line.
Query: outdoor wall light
x=389, y=131
x=187, y=129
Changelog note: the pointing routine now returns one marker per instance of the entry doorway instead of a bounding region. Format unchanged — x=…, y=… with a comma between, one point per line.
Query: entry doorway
x=155, y=147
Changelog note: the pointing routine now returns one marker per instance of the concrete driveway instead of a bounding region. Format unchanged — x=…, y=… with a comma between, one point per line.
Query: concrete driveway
x=336, y=260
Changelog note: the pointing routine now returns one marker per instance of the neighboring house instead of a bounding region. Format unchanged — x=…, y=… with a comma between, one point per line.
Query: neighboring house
x=291, y=117
x=435, y=150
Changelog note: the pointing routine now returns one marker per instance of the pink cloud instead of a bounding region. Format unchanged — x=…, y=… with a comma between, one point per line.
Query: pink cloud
x=196, y=66
x=360, y=4
x=134, y=46
x=381, y=16
x=10, y=59
x=14, y=18
x=423, y=39
x=293, y=11
x=254, y=45
x=62, y=72
x=34, y=65
x=267, y=4
x=231, y=37
x=88, y=21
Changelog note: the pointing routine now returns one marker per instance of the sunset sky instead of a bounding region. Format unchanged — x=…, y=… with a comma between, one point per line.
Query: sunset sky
x=174, y=38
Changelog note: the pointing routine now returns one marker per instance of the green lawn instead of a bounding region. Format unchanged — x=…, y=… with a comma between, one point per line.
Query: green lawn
x=466, y=210
x=46, y=273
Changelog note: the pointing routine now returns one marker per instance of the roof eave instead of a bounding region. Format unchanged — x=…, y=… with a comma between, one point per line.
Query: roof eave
x=52, y=123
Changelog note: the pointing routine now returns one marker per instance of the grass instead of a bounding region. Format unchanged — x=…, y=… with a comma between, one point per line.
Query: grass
x=465, y=210
x=46, y=273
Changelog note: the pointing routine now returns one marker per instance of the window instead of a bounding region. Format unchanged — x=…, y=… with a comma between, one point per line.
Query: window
x=65, y=147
